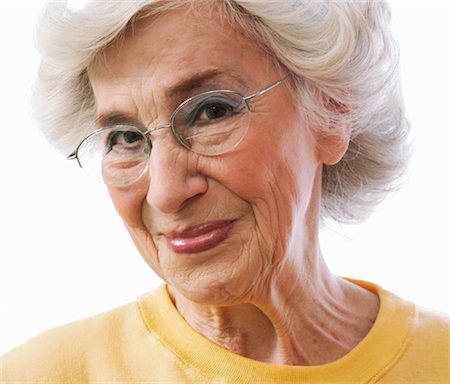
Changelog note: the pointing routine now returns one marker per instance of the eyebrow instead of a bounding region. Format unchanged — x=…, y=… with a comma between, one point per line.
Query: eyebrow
x=183, y=88
x=116, y=118
x=200, y=79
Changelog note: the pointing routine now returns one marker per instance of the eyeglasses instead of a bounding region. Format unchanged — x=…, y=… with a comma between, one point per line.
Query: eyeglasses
x=211, y=123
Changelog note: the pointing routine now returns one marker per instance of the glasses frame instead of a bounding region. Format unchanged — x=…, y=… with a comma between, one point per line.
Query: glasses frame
x=178, y=138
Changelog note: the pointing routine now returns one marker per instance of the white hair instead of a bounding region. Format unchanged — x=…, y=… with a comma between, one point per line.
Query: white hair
x=342, y=50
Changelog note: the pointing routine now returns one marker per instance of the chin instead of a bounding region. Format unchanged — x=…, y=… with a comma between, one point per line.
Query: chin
x=225, y=275
x=205, y=294
x=212, y=287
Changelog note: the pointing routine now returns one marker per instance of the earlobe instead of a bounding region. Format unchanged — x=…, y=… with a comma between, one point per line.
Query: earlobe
x=332, y=147
x=333, y=141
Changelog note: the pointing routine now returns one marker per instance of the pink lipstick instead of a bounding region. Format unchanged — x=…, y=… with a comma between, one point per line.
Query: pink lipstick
x=199, y=238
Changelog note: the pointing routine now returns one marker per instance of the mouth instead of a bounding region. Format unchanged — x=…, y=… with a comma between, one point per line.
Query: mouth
x=199, y=238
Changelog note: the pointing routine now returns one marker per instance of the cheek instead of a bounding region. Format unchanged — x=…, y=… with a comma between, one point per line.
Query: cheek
x=128, y=202
x=275, y=174
x=283, y=162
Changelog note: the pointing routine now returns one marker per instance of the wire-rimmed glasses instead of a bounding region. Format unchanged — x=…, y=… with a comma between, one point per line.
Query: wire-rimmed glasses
x=210, y=123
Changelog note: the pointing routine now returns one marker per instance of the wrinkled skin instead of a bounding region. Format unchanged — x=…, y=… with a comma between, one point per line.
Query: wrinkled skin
x=265, y=291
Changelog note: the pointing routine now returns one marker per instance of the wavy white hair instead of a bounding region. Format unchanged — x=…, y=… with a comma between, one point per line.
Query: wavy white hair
x=342, y=50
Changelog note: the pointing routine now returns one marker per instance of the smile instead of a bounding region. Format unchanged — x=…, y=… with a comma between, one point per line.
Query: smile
x=199, y=238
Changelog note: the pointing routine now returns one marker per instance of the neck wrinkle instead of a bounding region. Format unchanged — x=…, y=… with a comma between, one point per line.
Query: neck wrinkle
x=313, y=322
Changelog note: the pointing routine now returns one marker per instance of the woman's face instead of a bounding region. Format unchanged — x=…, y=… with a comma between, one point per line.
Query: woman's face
x=217, y=229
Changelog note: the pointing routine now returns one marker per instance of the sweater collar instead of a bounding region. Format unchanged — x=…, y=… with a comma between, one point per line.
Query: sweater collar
x=369, y=360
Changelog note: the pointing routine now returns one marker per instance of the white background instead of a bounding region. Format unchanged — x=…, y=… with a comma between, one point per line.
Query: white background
x=66, y=255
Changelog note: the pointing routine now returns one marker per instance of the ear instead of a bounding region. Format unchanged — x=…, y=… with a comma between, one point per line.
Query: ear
x=333, y=140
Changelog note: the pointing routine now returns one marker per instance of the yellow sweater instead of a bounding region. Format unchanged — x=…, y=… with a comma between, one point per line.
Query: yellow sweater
x=149, y=342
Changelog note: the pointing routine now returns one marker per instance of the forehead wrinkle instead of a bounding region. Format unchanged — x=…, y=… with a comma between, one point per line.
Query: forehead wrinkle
x=139, y=107
x=147, y=101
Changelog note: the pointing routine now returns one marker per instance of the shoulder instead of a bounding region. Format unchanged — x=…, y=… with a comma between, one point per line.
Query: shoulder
x=431, y=320
x=66, y=350
x=426, y=332
x=413, y=340
x=425, y=353
x=431, y=330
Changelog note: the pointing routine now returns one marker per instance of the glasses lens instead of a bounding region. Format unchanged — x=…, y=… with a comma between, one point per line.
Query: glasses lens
x=211, y=123
x=117, y=155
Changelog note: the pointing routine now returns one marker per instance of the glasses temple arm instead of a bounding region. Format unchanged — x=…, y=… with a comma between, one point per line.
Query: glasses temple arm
x=267, y=89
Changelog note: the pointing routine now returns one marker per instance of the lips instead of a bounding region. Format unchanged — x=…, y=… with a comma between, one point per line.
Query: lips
x=199, y=238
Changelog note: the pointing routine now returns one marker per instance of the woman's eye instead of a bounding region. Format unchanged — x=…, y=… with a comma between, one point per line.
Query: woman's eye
x=214, y=111
x=124, y=140
x=211, y=110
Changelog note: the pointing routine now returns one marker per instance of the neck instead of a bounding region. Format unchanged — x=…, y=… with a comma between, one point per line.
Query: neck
x=314, y=322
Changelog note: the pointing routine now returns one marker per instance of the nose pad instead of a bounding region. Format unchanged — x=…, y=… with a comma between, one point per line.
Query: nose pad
x=184, y=141
x=150, y=131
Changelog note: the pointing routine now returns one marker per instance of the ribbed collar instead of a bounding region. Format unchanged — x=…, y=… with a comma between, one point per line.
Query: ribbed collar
x=366, y=363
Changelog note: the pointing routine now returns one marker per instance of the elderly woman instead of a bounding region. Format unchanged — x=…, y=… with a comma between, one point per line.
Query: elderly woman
x=225, y=132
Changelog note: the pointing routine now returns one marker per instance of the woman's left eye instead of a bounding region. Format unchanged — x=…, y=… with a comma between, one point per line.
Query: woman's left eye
x=212, y=110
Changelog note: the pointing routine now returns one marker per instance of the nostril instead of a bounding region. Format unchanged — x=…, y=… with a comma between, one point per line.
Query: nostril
x=172, y=198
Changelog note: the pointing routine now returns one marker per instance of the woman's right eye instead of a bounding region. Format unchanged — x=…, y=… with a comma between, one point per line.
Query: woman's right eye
x=124, y=140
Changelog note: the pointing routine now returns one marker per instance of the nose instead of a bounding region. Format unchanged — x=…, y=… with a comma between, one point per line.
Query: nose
x=174, y=175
